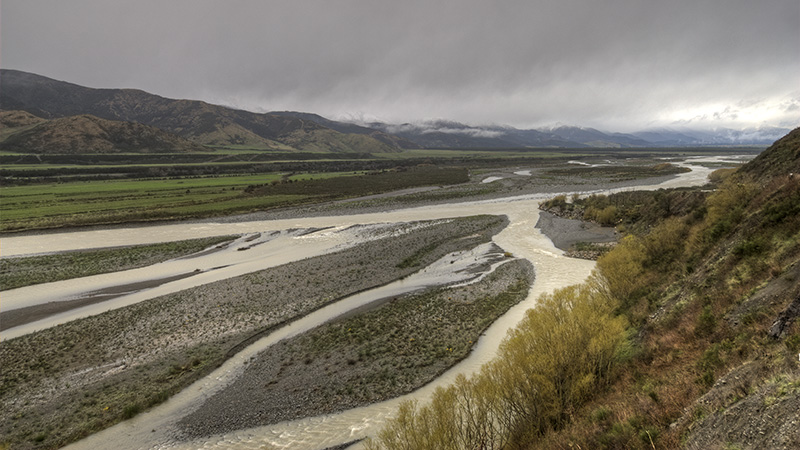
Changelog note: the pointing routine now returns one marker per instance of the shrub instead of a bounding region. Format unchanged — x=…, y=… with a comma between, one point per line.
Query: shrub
x=131, y=410
x=607, y=216
x=706, y=322
x=547, y=366
x=619, y=273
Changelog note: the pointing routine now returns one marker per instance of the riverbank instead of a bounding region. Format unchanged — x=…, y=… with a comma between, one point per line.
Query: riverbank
x=570, y=235
x=520, y=234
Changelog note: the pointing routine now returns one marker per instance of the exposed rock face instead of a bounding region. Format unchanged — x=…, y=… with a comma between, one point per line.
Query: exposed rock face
x=785, y=319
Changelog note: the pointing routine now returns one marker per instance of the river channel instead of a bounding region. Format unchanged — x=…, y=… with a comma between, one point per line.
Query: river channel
x=156, y=428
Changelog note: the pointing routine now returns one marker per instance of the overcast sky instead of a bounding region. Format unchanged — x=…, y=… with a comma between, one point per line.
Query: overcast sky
x=618, y=65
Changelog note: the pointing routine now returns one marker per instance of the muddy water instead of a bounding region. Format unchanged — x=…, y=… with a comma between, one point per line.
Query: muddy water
x=155, y=429
x=251, y=252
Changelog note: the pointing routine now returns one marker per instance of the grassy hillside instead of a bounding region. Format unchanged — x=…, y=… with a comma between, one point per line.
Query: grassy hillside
x=697, y=309
x=89, y=134
x=197, y=121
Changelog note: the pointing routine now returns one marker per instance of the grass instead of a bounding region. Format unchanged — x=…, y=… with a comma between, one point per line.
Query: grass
x=87, y=202
x=26, y=271
x=99, y=202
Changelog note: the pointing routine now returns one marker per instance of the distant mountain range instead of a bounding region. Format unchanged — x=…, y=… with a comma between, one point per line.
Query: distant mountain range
x=106, y=120
x=195, y=121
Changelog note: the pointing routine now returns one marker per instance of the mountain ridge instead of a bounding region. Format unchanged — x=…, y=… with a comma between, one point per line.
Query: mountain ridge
x=214, y=125
x=89, y=134
x=198, y=121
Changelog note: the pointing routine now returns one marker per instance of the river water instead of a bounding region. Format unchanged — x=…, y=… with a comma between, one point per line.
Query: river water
x=155, y=428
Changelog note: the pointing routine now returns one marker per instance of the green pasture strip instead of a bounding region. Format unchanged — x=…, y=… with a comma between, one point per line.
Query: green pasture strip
x=112, y=213
x=115, y=200
x=105, y=202
x=98, y=167
x=87, y=205
x=242, y=148
x=109, y=186
x=25, y=271
x=84, y=190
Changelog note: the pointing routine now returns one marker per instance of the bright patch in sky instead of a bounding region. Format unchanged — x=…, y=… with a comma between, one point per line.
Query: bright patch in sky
x=771, y=112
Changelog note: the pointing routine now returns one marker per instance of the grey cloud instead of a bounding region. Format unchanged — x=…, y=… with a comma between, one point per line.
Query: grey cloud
x=606, y=64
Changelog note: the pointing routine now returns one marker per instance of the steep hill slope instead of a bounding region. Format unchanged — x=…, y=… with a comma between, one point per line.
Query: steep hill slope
x=782, y=159
x=90, y=134
x=713, y=295
x=14, y=121
x=18, y=119
x=197, y=121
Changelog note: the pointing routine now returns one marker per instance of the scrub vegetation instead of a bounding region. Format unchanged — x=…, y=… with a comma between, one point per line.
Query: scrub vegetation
x=623, y=172
x=533, y=385
x=692, y=322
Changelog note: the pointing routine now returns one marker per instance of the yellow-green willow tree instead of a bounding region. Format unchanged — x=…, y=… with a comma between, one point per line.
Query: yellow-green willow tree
x=547, y=366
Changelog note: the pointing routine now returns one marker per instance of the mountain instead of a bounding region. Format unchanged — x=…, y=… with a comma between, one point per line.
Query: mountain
x=683, y=136
x=18, y=119
x=215, y=125
x=351, y=128
x=87, y=134
x=781, y=160
x=197, y=121
x=448, y=134
x=595, y=138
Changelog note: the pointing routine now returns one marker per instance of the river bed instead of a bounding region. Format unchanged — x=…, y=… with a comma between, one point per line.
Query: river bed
x=154, y=429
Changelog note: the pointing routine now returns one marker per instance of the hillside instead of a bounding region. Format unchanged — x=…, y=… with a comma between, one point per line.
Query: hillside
x=14, y=121
x=712, y=294
x=782, y=159
x=351, y=128
x=197, y=121
x=596, y=138
x=87, y=134
x=17, y=119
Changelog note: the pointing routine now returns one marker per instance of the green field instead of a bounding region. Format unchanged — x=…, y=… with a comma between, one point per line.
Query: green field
x=78, y=203
x=57, y=190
